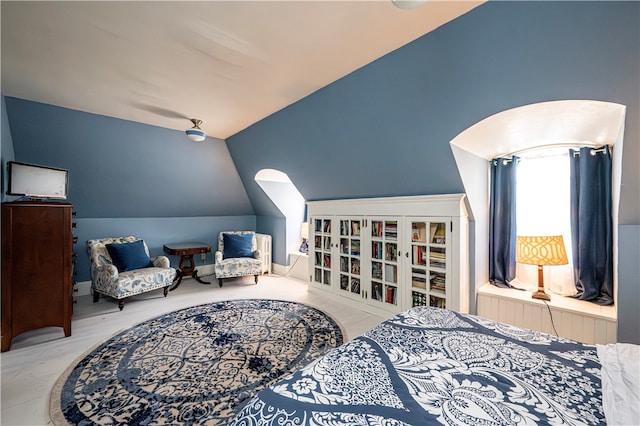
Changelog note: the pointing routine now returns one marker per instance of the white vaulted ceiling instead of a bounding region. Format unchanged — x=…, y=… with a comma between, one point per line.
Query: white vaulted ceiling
x=229, y=63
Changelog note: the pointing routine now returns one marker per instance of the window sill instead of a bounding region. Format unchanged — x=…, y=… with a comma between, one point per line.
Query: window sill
x=574, y=319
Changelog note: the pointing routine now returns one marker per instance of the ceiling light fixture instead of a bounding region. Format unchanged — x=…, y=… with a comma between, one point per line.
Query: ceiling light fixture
x=195, y=133
x=408, y=4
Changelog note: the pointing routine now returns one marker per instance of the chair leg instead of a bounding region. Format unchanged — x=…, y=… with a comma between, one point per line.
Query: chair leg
x=121, y=304
x=96, y=296
x=256, y=278
x=220, y=282
x=166, y=291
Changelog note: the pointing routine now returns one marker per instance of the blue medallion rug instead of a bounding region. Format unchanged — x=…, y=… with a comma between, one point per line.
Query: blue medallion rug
x=194, y=366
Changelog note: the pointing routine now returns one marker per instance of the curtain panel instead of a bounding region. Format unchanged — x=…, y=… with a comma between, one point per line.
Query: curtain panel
x=502, y=225
x=592, y=224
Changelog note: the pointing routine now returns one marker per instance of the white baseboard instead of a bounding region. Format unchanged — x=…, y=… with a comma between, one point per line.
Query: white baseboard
x=204, y=270
x=279, y=269
x=83, y=288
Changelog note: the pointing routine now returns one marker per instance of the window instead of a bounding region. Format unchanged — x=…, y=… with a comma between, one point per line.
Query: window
x=547, y=123
x=543, y=208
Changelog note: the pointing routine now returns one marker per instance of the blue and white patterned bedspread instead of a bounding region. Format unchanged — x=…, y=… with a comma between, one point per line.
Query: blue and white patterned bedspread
x=430, y=366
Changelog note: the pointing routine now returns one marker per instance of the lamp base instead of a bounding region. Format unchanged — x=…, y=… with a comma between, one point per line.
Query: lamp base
x=540, y=294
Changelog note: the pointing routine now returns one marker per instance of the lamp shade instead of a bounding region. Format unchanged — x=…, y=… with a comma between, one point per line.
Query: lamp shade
x=541, y=250
x=195, y=133
x=304, y=230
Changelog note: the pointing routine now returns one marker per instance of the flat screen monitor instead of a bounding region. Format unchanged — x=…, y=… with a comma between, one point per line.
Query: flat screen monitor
x=35, y=181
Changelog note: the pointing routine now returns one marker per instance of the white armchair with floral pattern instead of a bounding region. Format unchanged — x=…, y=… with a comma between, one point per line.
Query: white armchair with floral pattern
x=121, y=267
x=239, y=258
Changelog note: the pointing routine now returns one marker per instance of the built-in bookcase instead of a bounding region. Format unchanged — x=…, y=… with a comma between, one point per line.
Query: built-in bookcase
x=429, y=262
x=321, y=252
x=350, y=240
x=391, y=254
x=384, y=261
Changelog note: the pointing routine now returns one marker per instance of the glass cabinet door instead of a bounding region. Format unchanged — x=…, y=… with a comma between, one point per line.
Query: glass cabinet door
x=384, y=264
x=322, y=256
x=429, y=262
x=350, y=257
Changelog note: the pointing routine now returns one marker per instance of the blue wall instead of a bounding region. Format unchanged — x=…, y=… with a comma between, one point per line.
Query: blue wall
x=6, y=148
x=120, y=168
x=130, y=178
x=629, y=284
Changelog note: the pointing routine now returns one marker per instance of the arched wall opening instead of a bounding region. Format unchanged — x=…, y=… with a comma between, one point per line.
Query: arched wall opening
x=565, y=122
x=288, y=200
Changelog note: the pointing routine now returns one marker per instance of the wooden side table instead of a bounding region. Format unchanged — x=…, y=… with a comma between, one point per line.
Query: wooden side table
x=186, y=250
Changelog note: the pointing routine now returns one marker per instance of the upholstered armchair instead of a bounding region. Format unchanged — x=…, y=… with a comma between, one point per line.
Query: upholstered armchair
x=237, y=255
x=121, y=267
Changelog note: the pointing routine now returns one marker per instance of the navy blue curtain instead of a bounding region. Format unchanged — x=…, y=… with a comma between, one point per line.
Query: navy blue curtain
x=502, y=221
x=592, y=224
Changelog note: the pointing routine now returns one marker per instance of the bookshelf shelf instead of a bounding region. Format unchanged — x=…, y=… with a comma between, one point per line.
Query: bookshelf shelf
x=390, y=254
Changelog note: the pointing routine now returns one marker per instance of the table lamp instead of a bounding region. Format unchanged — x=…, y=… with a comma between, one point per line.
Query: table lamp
x=541, y=251
x=304, y=234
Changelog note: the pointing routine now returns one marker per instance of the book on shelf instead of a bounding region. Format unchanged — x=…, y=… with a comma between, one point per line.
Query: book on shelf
x=391, y=295
x=437, y=302
x=418, y=299
x=344, y=282
x=376, y=229
x=376, y=250
x=355, y=247
x=355, y=266
x=355, y=286
x=438, y=232
x=391, y=273
x=419, y=255
x=437, y=254
x=391, y=251
x=438, y=287
x=391, y=230
x=355, y=228
x=376, y=270
x=327, y=243
x=418, y=232
x=344, y=245
x=418, y=284
x=344, y=264
x=437, y=264
x=376, y=290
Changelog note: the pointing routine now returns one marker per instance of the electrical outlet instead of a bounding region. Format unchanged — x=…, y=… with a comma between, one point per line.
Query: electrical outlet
x=203, y=256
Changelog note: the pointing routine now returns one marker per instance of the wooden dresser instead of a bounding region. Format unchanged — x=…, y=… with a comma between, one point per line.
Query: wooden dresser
x=37, y=267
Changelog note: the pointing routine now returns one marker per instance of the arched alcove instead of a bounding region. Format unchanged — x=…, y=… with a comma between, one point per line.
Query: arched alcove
x=286, y=197
x=564, y=122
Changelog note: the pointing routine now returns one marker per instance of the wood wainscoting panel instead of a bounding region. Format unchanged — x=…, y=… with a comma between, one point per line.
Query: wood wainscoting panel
x=573, y=319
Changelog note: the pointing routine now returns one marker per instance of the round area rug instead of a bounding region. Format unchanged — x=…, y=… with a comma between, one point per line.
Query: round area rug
x=198, y=365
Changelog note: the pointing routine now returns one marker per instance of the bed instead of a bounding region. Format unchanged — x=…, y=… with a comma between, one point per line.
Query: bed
x=434, y=366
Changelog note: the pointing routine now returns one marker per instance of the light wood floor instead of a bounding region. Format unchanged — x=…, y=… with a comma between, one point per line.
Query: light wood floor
x=38, y=357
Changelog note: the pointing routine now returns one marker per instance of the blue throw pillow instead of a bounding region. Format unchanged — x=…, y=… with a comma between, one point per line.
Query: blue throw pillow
x=237, y=245
x=129, y=256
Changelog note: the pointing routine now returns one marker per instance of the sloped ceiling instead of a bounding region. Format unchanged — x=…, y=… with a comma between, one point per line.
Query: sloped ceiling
x=229, y=63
